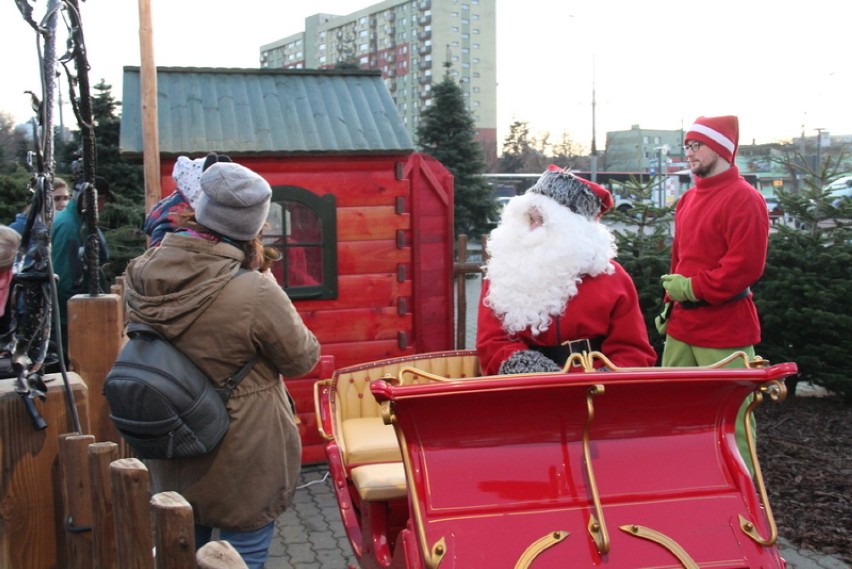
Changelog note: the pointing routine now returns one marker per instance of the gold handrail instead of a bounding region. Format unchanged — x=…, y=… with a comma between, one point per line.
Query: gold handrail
x=414, y=371
x=536, y=547
x=432, y=555
x=597, y=525
x=317, y=385
x=777, y=391
x=664, y=540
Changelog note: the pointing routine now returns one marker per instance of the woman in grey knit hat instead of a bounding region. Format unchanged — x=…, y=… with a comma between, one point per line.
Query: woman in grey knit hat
x=202, y=290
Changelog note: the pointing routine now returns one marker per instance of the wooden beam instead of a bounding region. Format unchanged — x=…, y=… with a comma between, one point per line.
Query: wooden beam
x=148, y=97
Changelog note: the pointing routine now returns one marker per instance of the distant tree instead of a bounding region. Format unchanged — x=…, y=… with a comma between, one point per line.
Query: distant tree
x=8, y=142
x=14, y=190
x=446, y=131
x=517, y=148
x=566, y=151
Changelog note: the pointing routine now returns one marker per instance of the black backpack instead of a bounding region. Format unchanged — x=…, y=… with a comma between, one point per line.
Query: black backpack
x=161, y=403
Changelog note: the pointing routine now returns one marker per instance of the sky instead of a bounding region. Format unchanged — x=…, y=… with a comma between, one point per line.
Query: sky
x=782, y=69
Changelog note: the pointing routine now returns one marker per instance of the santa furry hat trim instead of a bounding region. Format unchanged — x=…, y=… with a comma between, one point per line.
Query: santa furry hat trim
x=581, y=196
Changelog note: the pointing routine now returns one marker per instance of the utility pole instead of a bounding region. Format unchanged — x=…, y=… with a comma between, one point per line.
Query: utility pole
x=817, y=167
x=594, y=130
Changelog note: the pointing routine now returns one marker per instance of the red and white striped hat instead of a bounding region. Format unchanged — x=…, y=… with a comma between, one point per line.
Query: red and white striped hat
x=722, y=134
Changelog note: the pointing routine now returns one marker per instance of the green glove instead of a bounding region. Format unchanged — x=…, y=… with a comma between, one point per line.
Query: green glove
x=678, y=287
x=662, y=321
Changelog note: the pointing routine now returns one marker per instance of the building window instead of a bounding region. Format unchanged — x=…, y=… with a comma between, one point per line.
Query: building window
x=302, y=227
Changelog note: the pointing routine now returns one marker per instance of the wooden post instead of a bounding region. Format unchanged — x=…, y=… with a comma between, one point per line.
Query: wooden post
x=461, y=296
x=31, y=529
x=100, y=457
x=95, y=328
x=130, y=493
x=148, y=97
x=174, y=531
x=219, y=555
x=76, y=498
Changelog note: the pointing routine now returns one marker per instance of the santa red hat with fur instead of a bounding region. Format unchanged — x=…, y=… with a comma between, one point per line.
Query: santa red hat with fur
x=722, y=134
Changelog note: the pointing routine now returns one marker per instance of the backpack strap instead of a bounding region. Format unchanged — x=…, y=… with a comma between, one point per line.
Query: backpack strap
x=233, y=381
x=135, y=329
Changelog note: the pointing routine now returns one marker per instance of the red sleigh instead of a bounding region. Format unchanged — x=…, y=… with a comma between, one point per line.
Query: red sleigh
x=436, y=466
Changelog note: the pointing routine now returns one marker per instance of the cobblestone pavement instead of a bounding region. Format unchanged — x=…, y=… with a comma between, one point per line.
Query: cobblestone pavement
x=310, y=535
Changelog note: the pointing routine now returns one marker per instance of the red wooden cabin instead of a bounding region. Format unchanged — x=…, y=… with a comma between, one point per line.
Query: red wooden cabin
x=364, y=224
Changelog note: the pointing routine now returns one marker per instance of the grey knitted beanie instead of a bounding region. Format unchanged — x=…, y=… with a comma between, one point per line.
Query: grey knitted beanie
x=234, y=201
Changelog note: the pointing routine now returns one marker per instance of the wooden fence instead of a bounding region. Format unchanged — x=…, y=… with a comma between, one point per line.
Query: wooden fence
x=112, y=521
x=462, y=267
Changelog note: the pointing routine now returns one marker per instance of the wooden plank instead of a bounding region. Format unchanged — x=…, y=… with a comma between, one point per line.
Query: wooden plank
x=363, y=324
x=352, y=353
x=370, y=223
x=95, y=336
x=365, y=257
x=358, y=291
x=130, y=491
x=31, y=529
x=174, y=531
x=100, y=457
x=76, y=499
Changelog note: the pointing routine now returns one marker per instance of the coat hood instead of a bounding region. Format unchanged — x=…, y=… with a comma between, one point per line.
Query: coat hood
x=169, y=286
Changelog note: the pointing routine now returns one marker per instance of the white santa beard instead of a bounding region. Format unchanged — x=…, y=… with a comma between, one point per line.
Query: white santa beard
x=533, y=273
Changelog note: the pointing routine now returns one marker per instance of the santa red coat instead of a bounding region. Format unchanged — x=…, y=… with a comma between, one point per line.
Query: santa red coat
x=721, y=237
x=606, y=307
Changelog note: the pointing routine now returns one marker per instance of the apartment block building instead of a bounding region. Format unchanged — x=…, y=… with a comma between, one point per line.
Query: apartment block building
x=409, y=41
x=642, y=149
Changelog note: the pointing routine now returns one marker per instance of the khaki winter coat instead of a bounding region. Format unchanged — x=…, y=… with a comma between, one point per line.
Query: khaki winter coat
x=185, y=289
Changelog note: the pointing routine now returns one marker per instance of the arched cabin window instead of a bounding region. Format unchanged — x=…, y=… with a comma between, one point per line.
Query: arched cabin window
x=303, y=227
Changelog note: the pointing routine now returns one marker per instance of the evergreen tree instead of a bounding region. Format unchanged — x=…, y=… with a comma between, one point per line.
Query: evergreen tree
x=122, y=221
x=446, y=131
x=644, y=248
x=803, y=297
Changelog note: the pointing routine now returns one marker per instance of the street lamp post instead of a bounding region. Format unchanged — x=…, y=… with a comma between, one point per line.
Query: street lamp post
x=662, y=158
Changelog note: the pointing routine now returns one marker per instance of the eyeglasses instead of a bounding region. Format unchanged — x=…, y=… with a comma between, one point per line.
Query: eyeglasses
x=61, y=198
x=694, y=146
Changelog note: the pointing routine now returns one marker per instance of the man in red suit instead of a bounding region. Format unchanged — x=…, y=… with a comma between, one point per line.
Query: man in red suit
x=551, y=286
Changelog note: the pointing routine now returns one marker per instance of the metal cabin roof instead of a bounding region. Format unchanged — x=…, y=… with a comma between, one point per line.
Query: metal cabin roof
x=265, y=112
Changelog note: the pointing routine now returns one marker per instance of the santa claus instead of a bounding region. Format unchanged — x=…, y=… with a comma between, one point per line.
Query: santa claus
x=552, y=287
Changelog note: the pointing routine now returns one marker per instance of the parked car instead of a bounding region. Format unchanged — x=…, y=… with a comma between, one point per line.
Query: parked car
x=840, y=189
x=773, y=205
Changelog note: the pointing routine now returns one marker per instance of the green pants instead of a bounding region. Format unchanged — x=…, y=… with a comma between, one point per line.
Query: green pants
x=680, y=354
